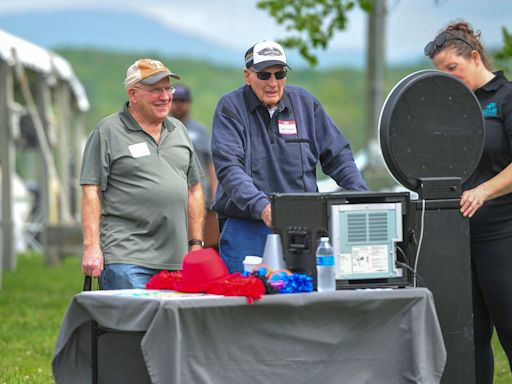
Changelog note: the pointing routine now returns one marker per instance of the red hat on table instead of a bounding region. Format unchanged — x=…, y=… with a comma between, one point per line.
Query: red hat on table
x=205, y=271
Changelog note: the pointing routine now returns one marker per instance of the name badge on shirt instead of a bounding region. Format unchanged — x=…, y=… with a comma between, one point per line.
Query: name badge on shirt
x=139, y=149
x=287, y=127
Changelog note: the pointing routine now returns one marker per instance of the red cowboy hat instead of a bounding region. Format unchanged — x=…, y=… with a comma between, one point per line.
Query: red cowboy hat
x=205, y=271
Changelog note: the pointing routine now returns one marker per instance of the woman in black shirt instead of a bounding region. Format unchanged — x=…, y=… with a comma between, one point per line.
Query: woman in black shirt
x=487, y=196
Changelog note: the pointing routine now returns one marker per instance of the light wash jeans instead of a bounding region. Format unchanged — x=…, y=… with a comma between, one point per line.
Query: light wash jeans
x=240, y=238
x=125, y=276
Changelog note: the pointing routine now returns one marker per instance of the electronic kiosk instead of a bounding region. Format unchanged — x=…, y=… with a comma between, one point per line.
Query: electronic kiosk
x=431, y=132
x=368, y=231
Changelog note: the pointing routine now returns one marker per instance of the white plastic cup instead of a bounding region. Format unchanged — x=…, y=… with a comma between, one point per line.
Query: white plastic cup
x=273, y=252
x=250, y=262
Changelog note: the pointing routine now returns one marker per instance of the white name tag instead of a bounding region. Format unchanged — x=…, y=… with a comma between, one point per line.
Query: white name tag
x=139, y=149
x=287, y=127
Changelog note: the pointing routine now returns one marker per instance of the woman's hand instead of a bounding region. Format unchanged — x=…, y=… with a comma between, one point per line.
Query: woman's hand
x=472, y=200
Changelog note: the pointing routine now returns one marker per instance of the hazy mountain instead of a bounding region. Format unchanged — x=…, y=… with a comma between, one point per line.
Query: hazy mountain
x=125, y=31
x=113, y=30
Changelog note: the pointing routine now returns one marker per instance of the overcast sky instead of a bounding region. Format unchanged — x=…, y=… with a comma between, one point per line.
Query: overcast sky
x=238, y=23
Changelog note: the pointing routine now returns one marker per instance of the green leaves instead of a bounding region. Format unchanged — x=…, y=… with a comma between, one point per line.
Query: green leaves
x=504, y=56
x=311, y=23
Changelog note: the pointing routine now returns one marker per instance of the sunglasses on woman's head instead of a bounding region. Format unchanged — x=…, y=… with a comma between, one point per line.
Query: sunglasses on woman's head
x=262, y=75
x=441, y=40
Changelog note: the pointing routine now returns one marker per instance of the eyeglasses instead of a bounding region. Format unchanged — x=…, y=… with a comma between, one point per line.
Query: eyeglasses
x=262, y=75
x=441, y=40
x=159, y=91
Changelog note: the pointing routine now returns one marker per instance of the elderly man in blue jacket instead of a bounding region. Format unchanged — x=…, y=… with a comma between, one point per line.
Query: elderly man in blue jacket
x=268, y=138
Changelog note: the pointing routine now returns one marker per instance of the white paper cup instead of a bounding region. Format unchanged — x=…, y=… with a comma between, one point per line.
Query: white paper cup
x=250, y=262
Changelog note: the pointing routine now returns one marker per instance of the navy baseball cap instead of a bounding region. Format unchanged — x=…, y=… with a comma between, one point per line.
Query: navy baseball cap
x=265, y=54
x=181, y=92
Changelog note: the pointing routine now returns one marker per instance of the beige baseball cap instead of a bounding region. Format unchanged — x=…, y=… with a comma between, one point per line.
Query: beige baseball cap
x=147, y=71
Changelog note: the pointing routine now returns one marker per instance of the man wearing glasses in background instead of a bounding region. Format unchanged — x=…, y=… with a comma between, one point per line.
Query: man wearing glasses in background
x=142, y=201
x=269, y=138
x=200, y=137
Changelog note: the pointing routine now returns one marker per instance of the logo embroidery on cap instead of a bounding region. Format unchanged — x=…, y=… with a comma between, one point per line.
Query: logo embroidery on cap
x=490, y=110
x=270, y=52
x=156, y=64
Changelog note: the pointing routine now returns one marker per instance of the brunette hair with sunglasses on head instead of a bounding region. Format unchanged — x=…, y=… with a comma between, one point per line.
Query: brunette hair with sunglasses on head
x=458, y=35
x=487, y=194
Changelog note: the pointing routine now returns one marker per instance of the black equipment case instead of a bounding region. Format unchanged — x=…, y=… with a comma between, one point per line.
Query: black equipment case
x=301, y=219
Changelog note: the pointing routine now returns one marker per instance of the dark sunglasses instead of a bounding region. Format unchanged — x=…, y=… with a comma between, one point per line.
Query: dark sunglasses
x=262, y=75
x=441, y=40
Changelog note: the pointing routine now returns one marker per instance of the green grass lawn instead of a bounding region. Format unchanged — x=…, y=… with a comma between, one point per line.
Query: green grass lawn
x=33, y=301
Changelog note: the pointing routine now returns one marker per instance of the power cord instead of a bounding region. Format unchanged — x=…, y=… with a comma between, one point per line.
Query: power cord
x=415, y=275
x=406, y=259
x=407, y=265
x=422, y=221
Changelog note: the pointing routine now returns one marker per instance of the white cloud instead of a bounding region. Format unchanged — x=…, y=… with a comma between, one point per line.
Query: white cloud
x=232, y=23
x=34, y=5
x=239, y=23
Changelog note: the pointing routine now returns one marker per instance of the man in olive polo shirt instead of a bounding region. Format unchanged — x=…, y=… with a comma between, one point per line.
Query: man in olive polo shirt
x=142, y=201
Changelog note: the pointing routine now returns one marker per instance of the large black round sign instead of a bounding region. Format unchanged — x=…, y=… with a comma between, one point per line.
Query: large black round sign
x=431, y=125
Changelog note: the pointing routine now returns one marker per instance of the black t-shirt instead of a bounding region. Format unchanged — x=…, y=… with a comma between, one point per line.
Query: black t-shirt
x=494, y=219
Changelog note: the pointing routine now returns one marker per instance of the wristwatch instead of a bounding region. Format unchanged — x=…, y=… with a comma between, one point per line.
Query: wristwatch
x=192, y=242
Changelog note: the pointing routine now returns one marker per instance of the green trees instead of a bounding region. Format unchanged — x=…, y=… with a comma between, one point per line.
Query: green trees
x=504, y=56
x=312, y=22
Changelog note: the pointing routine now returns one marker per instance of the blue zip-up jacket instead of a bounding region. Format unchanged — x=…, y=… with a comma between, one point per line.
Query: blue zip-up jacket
x=255, y=155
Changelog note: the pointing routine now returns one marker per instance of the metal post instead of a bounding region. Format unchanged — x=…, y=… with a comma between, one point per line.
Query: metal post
x=94, y=352
x=41, y=95
x=376, y=63
x=77, y=131
x=7, y=161
x=62, y=107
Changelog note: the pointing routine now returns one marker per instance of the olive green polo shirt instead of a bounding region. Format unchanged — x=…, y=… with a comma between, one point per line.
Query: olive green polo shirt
x=144, y=189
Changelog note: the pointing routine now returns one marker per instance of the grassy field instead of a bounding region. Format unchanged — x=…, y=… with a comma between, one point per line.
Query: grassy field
x=33, y=301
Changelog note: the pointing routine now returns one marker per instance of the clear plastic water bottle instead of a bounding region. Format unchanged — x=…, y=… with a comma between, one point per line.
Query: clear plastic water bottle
x=325, y=276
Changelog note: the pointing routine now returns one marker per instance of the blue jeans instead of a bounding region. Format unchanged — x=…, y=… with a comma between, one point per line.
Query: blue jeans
x=125, y=276
x=240, y=238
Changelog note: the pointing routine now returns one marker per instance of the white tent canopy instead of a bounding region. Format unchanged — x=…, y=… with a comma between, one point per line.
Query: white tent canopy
x=43, y=61
x=55, y=101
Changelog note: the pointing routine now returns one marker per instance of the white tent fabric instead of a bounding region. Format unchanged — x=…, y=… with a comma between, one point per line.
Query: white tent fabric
x=22, y=206
x=43, y=61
